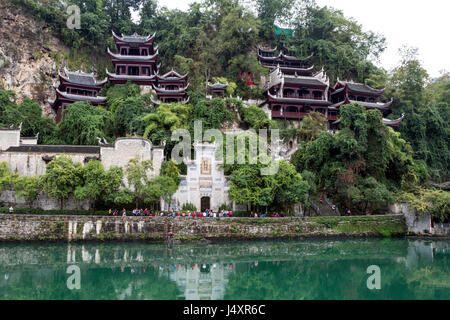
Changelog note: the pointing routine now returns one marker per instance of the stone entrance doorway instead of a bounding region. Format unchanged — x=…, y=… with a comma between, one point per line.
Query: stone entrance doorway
x=205, y=203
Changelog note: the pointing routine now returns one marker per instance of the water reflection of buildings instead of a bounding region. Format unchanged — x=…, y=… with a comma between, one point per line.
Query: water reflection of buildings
x=201, y=281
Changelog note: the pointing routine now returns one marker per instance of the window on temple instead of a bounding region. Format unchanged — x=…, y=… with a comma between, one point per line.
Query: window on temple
x=317, y=94
x=363, y=99
x=289, y=92
x=133, y=71
x=134, y=52
x=121, y=70
x=371, y=100
x=305, y=109
x=144, y=52
x=351, y=97
x=206, y=168
x=146, y=71
x=304, y=93
x=292, y=109
x=123, y=51
x=276, y=108
x=171, y=87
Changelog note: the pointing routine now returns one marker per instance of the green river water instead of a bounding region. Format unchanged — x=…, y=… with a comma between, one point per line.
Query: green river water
x=310, y=269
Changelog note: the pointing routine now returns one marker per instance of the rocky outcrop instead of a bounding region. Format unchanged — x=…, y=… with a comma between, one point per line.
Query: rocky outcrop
x=27, y=56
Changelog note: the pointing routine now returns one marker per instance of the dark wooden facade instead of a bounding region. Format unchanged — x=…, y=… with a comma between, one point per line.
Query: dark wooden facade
x=76, y=86
x=217, y=89
x=136, y=60
x=171, y=87
x=293, y=91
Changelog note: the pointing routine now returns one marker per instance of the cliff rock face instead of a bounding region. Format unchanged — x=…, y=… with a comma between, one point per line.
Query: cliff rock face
x=27, y=56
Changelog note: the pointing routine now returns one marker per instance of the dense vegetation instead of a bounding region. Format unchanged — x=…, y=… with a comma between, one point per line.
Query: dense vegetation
x=363, y=166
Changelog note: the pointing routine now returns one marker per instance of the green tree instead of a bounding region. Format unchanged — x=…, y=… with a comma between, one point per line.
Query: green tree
x=312, y=126
x=61, y=178
x=363, y=163
x=27, y=188
x=170, y=168
x=137, y=173
x=83, y=124
x=255, y=117
x=289, y=188
x=426, y=110
x=160, y=187
x=98, y=183
x=166, y=119
x=7, y=178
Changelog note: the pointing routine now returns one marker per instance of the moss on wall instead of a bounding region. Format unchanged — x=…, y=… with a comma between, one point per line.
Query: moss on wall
x=45, y=228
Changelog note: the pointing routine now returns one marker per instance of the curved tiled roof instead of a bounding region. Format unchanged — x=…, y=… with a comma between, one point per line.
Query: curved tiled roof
x=134, y=38
x=370, y=105
x=128, y=58
x=299, y=100
x=76, y=97
x=217, y=85
x=360, y=87
x=128, y=77
x=388, y=122
x=172, y=75
x=162, y=90
x=55, y=149
x=80, y=77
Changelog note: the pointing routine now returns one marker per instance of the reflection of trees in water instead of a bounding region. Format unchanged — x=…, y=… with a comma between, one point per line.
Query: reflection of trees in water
x=344, y=278
x=323, y=269
x=98, y=283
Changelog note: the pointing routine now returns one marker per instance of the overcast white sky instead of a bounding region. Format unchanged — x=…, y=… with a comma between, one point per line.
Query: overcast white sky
x=416, y=23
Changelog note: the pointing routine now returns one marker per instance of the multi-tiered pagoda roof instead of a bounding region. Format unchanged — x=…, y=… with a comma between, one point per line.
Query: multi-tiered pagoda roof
x=293, y=90
x=76, y=86
x=171, y=87
x=136, y=60
x=217, y=89
x=288, y=64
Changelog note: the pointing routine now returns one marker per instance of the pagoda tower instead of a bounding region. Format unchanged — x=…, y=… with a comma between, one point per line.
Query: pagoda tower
x=345, y=92
x=171, y=87
x=217, y=89
x=292, y=97
x=288, y=64
x=293, y=90
x=135, y=60
x=76, y=86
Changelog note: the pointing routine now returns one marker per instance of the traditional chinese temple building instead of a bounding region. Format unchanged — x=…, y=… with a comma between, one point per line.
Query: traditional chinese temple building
x=292, y=97
x=217, y=89
x=135, y=60
x=76, y=86
x=171, y=87
x=288, y=64
x=293, y=91
x=345, y=92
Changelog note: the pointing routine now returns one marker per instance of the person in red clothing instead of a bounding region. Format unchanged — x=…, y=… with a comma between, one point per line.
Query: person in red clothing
x=145, y=212
x=199, y=214
x=178, y=214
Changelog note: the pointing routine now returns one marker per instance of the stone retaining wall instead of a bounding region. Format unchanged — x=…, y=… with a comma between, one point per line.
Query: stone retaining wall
x=17, y=227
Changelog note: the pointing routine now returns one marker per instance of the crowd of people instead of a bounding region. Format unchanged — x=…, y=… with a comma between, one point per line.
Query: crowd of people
x=266, y=215
x=188, y=214
x=172, y=213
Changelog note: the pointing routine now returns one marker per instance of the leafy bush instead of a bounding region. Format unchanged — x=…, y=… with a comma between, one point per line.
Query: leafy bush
x=189, y=207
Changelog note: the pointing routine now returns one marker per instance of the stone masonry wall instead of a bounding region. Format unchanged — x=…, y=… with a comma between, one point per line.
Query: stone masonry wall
x=16, y=227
